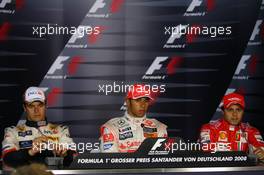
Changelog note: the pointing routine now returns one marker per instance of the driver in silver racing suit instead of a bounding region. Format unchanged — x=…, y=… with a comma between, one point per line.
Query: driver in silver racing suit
x=126, y=133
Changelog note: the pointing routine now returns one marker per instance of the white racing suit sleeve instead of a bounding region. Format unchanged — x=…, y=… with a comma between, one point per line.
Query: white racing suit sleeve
x=162, y=130
x=68, y=144
x=65, y=138
x=12, y=154
x=10, y=142
x=108, y=140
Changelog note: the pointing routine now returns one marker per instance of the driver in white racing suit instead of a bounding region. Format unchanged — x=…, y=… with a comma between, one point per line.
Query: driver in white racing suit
x=126, y=133
x=36, y=139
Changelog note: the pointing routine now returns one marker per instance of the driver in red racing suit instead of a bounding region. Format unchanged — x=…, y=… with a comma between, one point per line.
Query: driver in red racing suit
x=126, y=133
x=229, y=133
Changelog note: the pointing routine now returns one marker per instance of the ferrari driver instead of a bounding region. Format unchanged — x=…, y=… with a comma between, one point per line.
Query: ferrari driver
x=24, y=143
x=126, y=133
x=230, y=132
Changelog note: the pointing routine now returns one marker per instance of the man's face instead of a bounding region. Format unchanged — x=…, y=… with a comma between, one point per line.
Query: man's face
x=233, y=115
x=36, y=111
x=138, y=107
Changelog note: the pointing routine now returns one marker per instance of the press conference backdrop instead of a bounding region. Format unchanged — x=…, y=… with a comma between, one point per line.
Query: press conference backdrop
x=131, y=41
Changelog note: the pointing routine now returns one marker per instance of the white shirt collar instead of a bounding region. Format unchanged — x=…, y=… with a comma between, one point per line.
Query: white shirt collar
x=135, y=119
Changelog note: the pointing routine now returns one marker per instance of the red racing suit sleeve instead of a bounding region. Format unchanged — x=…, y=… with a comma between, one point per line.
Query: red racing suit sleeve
x=209, y=140
x=255, y=140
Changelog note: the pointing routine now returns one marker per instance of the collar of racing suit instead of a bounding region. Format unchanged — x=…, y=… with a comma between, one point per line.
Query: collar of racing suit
x=231, y=127
x=36, y=124
x=135, y=120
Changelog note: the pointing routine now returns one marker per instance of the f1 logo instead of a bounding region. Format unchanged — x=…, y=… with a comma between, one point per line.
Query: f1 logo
x=4, y=2
x=156, y=65
x=58, y=64
x=99, y=4
x=79, y=34
x=242, y=64
x=157, y=144
x=256, y=30
x=176, y=33
x=194, y=3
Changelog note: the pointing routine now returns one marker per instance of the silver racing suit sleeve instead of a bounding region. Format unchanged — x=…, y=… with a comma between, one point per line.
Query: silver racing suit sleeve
x=108, y=140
